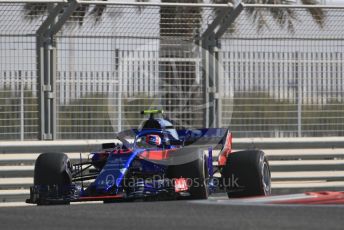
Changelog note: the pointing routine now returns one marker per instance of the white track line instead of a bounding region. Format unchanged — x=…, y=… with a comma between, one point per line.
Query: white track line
x=23, y=204
x=14, y=204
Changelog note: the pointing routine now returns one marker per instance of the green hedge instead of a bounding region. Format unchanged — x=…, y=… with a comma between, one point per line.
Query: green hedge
x=94, y=116
x=10, y=113
x=259, y=114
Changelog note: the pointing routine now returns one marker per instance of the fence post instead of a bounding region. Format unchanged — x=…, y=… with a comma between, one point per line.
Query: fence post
x=298, y=95
x=46, y=66
x=210, y=59
x=43, y=42
x=22, y=85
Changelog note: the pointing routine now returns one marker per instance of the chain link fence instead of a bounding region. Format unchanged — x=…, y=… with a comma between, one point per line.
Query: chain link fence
x=129, y=58
x=280, y=69
x=18, y=71
x=286, y=67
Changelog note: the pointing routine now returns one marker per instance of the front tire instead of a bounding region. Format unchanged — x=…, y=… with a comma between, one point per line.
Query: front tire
x=52, y=169
x=247, y=173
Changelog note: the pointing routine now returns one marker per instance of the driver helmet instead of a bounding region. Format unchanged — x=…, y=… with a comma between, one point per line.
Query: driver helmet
x=153, y=139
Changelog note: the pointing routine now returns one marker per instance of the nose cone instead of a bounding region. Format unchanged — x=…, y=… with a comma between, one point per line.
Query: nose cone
x=110, y=178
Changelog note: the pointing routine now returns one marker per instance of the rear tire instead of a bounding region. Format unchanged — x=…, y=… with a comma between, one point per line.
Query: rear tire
x=53, y=169
x=247, y=173
x=196, y=172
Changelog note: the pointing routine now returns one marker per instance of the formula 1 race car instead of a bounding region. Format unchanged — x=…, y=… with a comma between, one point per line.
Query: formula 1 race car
x=157, y=163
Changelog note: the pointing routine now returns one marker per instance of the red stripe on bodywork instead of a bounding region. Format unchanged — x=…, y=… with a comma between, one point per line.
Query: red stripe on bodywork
x=155, y=154
x=96, y=198
x=226, y=150
x=125, y=151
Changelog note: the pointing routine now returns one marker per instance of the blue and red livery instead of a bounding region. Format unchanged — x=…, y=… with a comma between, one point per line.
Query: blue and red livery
x=156, y=162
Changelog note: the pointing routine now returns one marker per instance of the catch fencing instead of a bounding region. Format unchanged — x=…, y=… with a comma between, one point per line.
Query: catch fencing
x=84, y=69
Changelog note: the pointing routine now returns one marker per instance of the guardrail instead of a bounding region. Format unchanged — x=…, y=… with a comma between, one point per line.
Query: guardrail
x=240, y=143
x=297, y=164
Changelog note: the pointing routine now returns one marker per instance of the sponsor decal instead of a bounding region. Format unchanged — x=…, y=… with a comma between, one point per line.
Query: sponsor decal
x=180, y=185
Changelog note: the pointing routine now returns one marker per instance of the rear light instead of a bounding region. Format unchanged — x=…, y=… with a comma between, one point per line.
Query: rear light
x=226, y=150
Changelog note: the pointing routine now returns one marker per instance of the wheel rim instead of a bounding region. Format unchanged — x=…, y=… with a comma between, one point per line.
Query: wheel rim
x=266, y=178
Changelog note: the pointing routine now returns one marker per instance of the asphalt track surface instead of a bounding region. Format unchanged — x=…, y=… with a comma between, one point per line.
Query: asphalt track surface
x=173, y=215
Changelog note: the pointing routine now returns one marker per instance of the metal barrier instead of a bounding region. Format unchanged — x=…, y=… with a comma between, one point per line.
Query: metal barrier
x=297, y=165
